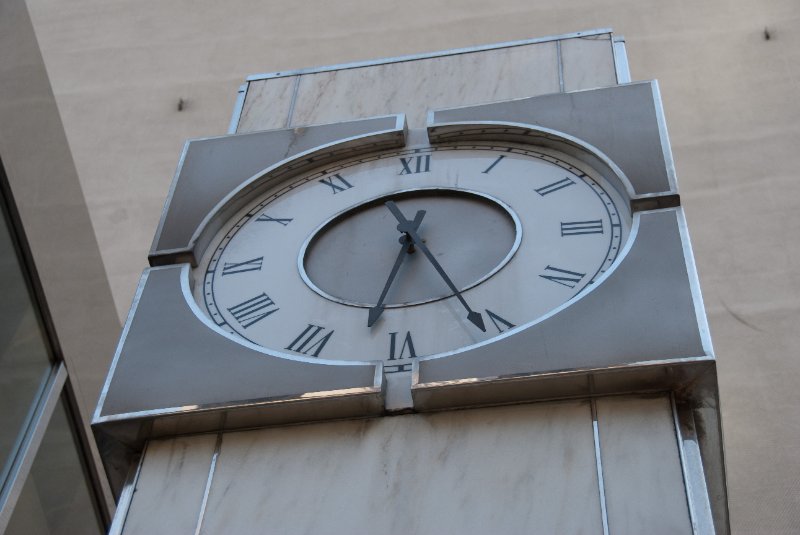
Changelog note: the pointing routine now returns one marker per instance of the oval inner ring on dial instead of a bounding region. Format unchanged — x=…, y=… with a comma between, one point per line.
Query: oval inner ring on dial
x=348, y=259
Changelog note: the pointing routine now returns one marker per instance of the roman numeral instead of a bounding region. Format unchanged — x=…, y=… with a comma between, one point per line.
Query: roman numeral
x=336, y=183
x=416, y=164
x=231, y=268
x=495, y=318
x=566, y=278
x=282, y=221
x=555, y=186
x=576, y=228
x=253, y=310
x=311, y=341
x=408, y=343
x=497, y=161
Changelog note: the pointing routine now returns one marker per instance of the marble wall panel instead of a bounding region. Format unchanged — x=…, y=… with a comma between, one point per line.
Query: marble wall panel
x=170, y=489
x=500, y=470
x=267, y=104
x=588, y=62
x=414, y=87
x=641, y=466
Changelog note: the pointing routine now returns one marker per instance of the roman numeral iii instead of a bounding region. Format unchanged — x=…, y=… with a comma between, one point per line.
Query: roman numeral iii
x=576, y=228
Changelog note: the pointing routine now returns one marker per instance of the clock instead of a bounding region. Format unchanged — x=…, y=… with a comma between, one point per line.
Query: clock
x=426, y=250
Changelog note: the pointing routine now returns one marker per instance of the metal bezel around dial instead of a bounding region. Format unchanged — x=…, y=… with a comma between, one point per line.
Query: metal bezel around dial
x=398, y=340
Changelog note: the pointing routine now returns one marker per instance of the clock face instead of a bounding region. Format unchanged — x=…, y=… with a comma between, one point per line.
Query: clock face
x=409, y=253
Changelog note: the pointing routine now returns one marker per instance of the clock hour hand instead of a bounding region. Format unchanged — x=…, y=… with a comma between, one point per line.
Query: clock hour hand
x=406, y=247
x=407, y=227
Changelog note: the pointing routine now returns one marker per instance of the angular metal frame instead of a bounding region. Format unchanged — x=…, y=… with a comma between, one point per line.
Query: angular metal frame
x=653, y=288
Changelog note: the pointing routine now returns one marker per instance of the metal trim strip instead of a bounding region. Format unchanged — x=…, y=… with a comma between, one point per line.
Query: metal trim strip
x=560, y=65
x=241, y=94
x=684, y=468
x=211, y=469
x=599, y=463
x=428, y=55
x=126, y=496
x=621, y=67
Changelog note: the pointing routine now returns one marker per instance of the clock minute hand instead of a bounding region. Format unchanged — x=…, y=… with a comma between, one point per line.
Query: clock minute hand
x=409, y=230
x=406, y=241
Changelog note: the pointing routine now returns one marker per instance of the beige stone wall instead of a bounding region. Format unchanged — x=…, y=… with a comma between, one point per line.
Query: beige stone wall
x=119, y=69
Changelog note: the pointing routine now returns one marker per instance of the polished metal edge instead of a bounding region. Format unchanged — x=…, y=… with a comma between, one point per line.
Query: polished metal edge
x=598, y=459
x=427, y=55
x=237, y=108
x=126, y=496
x=664, y=135
x=533, y=135
x=560, y=65
x=122, y=339
x=345, y=393
x=207, y=490
x=687, y=485
x=621, y=67
x=569, y=372
x=291, y=166
x=694, y=284
x=25, y=455
x=694, y=478
x=170, y=194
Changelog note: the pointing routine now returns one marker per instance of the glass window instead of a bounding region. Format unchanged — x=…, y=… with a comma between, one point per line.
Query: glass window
x=24, y=357
x=56, y=499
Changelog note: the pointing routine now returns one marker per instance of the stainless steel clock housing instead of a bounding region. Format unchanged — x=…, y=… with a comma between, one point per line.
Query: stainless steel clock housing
x=175, y=373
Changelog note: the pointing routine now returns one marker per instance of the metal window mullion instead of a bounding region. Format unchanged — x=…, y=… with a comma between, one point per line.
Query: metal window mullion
x=35, y=430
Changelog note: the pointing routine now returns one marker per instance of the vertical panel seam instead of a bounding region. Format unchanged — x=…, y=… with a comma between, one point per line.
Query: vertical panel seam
x=560, y=64
x=211, y=469
x=292, y=102
x=599, y=464
x=682, y=457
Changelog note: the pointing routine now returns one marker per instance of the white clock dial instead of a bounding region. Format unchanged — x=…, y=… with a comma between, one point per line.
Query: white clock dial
x=401, y=254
